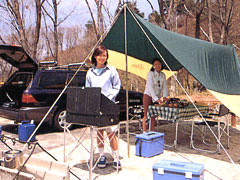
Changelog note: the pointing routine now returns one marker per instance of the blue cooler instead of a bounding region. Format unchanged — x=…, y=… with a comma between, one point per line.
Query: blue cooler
x=149, y=144
x=168, y=169
x=25, y=130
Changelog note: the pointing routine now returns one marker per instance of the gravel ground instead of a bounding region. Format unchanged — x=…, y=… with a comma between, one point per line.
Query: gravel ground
x=217, y=166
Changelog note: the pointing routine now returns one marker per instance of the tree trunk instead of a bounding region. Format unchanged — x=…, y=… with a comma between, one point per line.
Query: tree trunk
x=55, y=27
x=38, y=27
x=14, y=9
x=197, y=27
x=161, y=7
x=210, y=20
x=93, y=19
x=100, y=18
x=199, y=6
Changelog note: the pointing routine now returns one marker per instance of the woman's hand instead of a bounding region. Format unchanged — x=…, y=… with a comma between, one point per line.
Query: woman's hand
x=162, y=99
x=159, y=101
x=165, y=99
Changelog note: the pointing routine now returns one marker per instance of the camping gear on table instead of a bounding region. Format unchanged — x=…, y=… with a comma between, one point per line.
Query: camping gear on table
x=149, y=144
x=13, y=159
x=169, y=169
x=25, y=130
x=174, y=102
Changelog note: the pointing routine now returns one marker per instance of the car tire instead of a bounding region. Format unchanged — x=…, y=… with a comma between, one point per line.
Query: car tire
x=60, y=119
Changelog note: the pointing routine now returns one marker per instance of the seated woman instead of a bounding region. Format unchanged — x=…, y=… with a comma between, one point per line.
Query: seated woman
x=155, y=86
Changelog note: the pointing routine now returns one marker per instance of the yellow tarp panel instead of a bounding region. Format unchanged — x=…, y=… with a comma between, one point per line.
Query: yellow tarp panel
x=141, y=68
x=232, y=102
x=135, y=66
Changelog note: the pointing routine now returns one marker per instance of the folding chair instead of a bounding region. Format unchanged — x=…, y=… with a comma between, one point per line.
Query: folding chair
x=212, y=120
x=135, y=116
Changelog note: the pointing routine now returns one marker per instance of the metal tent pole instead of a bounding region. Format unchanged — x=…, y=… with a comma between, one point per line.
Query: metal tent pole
x=125, y=38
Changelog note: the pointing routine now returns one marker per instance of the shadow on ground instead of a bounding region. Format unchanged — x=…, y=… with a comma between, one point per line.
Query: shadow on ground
x=183, y=140
x=101, y=171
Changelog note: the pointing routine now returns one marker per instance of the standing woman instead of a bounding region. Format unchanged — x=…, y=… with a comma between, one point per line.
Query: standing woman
x=106, y=77
x=156, y=86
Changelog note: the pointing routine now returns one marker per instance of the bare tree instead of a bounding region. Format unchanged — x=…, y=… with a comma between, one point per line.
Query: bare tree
x=223, y=13
x=218, y=17
x=151, y=5
x=38, y=5
x=95, y=25
x=54, y=19
x=209, y=4
x=200, y=4
x=16, y=11
x=17, y=21
x=72, y=36
x=167, y=11
x=99, y=22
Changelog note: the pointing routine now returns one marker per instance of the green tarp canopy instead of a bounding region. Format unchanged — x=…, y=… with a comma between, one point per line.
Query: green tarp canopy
x=215, y=66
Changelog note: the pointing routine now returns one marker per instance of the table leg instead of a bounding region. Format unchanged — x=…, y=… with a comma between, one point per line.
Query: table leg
x=219, y=138
x=191, y=138
x=91, y=154
x=176, y=135
x=228, y=133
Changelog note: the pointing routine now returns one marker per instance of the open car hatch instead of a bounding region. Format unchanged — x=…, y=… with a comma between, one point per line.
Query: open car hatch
x=17, y=57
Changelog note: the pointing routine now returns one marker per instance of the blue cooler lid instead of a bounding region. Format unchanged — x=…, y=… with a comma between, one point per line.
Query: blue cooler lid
x=179, y=167
x=25, y=122
x=149, y=135
x=27, y=125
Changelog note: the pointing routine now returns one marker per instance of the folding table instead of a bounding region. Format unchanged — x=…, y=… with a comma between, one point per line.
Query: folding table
x=175, y=114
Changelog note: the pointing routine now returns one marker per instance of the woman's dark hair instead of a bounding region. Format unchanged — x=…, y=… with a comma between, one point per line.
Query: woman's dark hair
x=156, y=59
x=99, y=50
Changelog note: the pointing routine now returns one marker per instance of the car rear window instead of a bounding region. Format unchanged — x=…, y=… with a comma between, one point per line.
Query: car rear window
x=78, y=81
x=53, y=80
x=22, y=79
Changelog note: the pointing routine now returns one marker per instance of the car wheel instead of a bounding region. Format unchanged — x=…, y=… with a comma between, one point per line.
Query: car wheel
x=60, y=119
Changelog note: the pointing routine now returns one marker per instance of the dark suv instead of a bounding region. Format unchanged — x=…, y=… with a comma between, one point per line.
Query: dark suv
x=30, y=92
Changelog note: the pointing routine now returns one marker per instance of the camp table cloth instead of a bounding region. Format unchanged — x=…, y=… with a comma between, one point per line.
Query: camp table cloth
x=175, y=114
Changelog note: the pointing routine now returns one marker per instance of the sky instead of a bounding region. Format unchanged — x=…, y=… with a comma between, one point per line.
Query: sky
x=81, y=13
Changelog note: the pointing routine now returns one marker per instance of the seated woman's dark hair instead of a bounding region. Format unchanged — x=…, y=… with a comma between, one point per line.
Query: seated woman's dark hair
x=156, y=59
x=99, y=50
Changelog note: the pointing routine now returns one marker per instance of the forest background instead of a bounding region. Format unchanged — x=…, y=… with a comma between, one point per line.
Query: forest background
x=39, y=26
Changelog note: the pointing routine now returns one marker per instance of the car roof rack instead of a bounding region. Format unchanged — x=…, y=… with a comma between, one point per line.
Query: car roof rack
x=72, y=66
x=46, y=64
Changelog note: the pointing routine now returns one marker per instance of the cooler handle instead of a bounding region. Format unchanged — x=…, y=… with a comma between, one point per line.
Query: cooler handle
x=150, y=134
x=25, y=122
x=175, y=164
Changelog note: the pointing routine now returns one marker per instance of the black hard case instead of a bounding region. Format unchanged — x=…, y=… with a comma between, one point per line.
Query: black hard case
x=87, y=106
